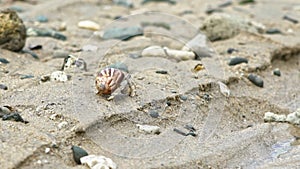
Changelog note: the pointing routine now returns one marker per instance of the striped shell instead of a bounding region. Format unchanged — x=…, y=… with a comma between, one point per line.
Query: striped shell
x=108, y=80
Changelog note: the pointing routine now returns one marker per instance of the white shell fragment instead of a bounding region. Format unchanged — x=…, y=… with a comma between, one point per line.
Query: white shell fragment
x=87, y=24
x=224, y=89
x=272, y=117
x=59, y=76
x=157, y=51
x=149, y=129
x=98, y=162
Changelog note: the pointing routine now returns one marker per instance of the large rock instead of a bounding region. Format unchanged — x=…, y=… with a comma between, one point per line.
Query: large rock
x=12, y=31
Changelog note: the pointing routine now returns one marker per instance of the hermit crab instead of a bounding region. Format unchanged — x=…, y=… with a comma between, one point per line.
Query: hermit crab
x=109, y=80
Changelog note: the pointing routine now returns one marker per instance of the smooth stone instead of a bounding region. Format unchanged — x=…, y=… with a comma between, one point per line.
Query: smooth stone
x=272, y=117
x=125, y=3
x=87, y=24
x=3, y=60
x=156, y=24
x=123, y=33
x=78, y=153
x=14, y=117
x=183, y=97
x=273, y=31
x=231, y=50
x=157, y=51
x=3, y=87
x=45, y=33
x=26, y=77
x=98, y=162
x=35, y=47
x=153, y=113
x=149, y=129
x=237, y=60
x=277, y=72
x=120, y=66
x=256, y=80
x=199, y=45
x=161, y=72
x=42, y=18
x=243, y=2
x=4, y=110
x=12, y=32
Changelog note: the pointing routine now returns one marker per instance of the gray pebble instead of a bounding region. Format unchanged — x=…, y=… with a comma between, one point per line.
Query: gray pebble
x=120, y=66
x=277, y=72
x=256, y=80
x=288, y=18
x=183, y=97
x=26, y=77
x=78, y=153
x=125, y=3
x=45, y=33
x=153, y=113
x=14, y=116
x=168, y=1
x=237, y=60
x=34, y=55
x=4, y=87
x=123, y=33
x=42, y=18
x=3, y=60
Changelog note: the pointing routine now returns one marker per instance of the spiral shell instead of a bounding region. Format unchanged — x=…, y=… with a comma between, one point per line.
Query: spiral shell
x=108, y=80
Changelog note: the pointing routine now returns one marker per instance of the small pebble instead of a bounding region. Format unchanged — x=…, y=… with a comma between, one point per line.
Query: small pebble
x=3, y=60
x=78, y=153
x=273, y=31
x=242, y=2
x=62, y=124
x=98, y=162
x=26, y=77
x=288, y=18
x=231, y=50
x=149, y=129
x=14, y=116
x=42, y=18
x=87, y=24
x=153, y=113
x=135, y=55
x=272, y=117
x=161, y=72
x=256, y=80
x=125, y=3
x=45, y=33
x=59, y=76
x=276, y=72
x=35, y=47
x=47, y=150
x=189, y=127
x=294, y=118
x=123, y=33
x=237, y=60
x=224, y=89
x=183, y=97
x=168, y=1
x=3, y=87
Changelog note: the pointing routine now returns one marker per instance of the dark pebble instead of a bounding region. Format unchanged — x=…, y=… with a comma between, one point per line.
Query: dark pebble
x=15, y=117
x=4, y=87
x=288, y=18
x=35, y=47
x=153, y=113
x=242, y=2
x=206, y=97
x=189, y=127
x=78, y=153
x=212, y=10
x=276, y=72
x=179, y=132
x=237, y=60
x=231, y=50
x=3, y=60
x=256, y=80
x=191, y=133
x=161, y=72
x=273, y=31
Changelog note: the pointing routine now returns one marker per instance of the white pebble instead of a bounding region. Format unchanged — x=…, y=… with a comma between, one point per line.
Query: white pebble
x=62, y=124
x=59, y=76
x=87, y=24
x=272, y=117
x=294, y=118
x=98, y=162
x=53, y=116
x=47, y=150
x=149, y=129
x=157, y=51
x=224, y=89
